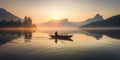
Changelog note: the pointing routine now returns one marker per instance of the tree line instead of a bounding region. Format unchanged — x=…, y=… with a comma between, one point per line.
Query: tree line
x=27, y=22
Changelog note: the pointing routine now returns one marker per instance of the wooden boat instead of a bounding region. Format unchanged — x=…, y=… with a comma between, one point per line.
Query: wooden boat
x=61, y=36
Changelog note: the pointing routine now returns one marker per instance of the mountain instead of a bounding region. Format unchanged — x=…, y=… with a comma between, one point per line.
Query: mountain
x=97, y=18
x=57, y=23
x=113, y=21
x=66, y=23
x=5, y=15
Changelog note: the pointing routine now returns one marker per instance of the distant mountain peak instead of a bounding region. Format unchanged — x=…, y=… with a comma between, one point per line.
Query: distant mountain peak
x=112, y=22
x=8, y=16
x=2, y=9
x=57, y=23
x=98, y=16
x=65, y=20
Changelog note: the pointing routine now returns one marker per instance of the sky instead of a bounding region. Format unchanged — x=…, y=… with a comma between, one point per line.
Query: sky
x=75, y=10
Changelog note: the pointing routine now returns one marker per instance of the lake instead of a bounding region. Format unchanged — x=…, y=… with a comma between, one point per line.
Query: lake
x=38, y=45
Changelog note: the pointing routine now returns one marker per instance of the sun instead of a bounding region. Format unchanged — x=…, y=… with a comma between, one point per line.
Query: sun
x=55, y=15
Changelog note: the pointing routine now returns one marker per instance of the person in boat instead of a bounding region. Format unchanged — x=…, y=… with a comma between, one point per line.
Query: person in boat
x=56, y=33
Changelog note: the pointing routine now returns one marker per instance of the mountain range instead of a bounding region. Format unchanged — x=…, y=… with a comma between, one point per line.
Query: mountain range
x=5, y=15
x=96, y=18
x=66, y=23
x=96, y=21
x=113, y=22
x=57, y=23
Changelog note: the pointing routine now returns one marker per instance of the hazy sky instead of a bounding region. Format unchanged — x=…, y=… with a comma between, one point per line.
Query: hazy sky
x=74, y=10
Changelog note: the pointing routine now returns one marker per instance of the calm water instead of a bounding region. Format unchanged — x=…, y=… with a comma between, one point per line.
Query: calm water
x=84, y=45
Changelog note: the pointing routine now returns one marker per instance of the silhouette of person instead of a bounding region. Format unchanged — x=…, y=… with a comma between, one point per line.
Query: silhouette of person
x=56, y=33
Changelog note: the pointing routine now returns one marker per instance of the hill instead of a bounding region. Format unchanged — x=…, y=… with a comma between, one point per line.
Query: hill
x=96, y=18
x=57, y=23
x=113, y=21
x=5, y=15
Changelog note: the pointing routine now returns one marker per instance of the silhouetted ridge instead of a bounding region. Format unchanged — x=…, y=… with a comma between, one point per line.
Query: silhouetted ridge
x=113, y=21
x=5, y=15
x=2, y=10
x=57, y=23
x=96, y=18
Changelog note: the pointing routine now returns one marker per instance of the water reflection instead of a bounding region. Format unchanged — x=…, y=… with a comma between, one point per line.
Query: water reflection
x=27, y=36
x=7, y=36
x=84, y=45
x=98, y=34
x=89, y=33
x=61, y=39
x=115, y=34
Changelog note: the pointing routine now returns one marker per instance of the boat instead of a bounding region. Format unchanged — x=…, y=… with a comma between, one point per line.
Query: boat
x=61, y=36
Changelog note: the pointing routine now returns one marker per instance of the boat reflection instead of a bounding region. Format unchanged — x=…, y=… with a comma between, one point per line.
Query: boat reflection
x=61, y=39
